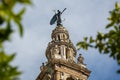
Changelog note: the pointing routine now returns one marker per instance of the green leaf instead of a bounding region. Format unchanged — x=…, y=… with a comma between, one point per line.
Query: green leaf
x=112, y=55
x=8, y=31
x=110, y=25
x=85, y=38
x=79, y=45
x=11, y=57
x=117, y=6
x=106, y=51
x=118, y=58
x=25, y=1
x=1, y=20
x=5, y=33
x=99, y=36
x=21, y=12
x=20, y=28
x=91, y=40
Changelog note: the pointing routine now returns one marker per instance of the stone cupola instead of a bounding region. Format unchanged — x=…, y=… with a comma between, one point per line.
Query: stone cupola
x=61, y=46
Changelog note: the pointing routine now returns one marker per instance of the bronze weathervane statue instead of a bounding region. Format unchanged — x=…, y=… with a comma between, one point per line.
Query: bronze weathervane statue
x=57, y=18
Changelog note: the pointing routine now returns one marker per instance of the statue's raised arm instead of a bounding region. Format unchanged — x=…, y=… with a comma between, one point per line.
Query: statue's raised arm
x=57, y=18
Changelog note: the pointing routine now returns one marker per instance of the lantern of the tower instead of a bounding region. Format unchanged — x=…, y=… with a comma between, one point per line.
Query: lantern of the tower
x=60, y=47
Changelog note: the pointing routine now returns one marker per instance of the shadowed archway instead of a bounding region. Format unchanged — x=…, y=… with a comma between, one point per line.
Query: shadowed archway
x=69, y=78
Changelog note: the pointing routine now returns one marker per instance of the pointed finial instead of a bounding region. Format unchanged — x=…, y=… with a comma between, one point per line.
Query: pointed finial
x=80, y=59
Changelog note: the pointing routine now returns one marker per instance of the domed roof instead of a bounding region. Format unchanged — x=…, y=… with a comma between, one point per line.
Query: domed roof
x=60, y=38
x=59, y=29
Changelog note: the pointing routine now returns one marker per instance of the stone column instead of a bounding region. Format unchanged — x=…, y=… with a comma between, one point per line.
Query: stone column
x=57, y=77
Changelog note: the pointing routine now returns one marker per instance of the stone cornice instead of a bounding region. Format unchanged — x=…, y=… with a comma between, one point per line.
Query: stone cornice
x=72, y=66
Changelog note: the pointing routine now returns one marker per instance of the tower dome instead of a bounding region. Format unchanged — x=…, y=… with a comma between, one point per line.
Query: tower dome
x=60, y=34
x=60, y=47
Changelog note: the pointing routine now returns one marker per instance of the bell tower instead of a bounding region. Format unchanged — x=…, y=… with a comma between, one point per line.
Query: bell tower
x=61, y=56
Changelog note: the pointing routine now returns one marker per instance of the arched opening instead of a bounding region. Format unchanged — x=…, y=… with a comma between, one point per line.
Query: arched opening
x=69, y=78
x=59, y=37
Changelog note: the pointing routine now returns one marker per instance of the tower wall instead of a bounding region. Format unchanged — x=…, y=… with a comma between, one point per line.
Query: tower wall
x=61, y=55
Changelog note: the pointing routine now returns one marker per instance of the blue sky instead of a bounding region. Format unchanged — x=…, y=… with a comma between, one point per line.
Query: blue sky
x=82, y=18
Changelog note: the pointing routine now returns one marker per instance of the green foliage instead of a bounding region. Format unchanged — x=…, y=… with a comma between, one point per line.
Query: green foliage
x=7, y=72
x=107, y=43
x=7, y=17
x=5, y=33
x=7, y=13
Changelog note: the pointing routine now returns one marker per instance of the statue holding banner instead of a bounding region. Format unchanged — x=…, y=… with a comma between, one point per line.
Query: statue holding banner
x=57, y=18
